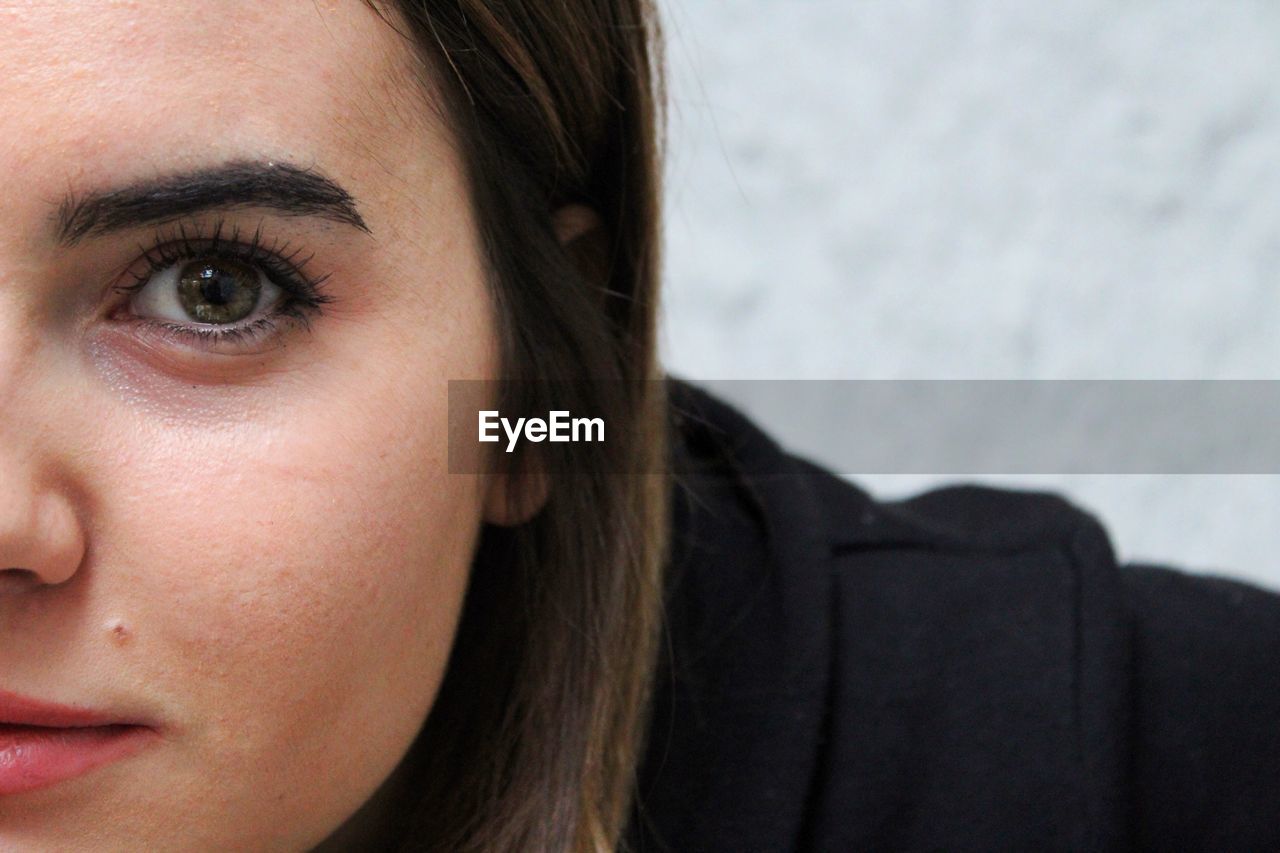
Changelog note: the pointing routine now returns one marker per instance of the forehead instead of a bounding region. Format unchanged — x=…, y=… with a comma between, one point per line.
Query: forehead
x=112, y=87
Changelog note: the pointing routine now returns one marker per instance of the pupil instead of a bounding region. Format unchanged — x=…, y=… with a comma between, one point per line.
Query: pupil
x=218, y=291
x=217, y=286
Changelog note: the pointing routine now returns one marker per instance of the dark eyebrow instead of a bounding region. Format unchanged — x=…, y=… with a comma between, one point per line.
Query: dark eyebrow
x=281, y=187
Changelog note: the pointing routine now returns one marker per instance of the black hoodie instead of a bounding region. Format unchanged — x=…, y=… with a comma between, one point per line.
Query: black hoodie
x=968, y=669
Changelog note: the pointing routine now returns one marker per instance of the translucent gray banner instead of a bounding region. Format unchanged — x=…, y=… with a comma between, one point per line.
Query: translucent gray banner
x=965, y=427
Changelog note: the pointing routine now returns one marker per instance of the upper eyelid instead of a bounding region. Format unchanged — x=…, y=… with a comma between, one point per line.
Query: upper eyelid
x=223, y=237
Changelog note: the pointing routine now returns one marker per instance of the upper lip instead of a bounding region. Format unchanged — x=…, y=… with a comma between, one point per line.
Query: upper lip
x=17, y=710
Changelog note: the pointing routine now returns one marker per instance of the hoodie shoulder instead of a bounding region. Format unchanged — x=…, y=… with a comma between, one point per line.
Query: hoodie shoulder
x=980, y=695
x=961, y=655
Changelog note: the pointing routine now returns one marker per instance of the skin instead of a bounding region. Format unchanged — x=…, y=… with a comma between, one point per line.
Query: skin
x=258, y=550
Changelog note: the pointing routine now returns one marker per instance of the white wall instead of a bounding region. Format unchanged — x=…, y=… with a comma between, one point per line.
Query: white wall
x=981, y=189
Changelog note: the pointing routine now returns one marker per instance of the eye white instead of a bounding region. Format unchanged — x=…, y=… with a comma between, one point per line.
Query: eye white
x=158, y=298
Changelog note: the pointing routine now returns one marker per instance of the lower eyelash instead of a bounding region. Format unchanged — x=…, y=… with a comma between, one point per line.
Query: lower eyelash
x=212, y=335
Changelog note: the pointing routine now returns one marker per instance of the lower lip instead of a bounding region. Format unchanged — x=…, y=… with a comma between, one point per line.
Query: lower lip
x=34, y=757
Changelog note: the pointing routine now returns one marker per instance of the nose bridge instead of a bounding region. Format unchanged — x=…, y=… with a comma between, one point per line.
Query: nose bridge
x=22, y=398
x=26, y=299
x=16, y=357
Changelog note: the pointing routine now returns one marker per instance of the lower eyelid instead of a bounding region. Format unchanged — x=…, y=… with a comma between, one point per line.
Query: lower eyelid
x=152, y=360
x=257, y=337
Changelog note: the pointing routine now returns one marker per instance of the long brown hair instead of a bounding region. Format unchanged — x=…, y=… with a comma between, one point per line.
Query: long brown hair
x=534, y=737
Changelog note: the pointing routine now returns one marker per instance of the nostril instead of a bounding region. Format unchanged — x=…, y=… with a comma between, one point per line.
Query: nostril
x=17, y=580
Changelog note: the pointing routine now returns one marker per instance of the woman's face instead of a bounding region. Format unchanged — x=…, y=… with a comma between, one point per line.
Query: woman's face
x=226, y=513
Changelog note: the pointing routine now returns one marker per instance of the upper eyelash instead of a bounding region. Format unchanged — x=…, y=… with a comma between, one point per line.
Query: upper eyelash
x=280, y=264
x=303, y=293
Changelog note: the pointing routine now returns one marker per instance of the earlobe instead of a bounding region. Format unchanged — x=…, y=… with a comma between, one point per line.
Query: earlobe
x=515, y=497
x=574, y=221
x=581, y=232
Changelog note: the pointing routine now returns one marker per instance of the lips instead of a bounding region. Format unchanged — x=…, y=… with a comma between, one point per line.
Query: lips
x=42, y=743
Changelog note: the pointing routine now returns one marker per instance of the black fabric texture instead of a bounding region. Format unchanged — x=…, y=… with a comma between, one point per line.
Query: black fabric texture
x=968, y=669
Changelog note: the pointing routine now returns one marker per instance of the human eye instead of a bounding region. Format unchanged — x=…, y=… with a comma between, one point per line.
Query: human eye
x=222, y=292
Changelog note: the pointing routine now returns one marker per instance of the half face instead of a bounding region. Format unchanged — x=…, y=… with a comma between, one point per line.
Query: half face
x=237, y=268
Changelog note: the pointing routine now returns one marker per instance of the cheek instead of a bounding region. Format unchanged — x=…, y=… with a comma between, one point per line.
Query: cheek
x=292, y=585
x=297, y=560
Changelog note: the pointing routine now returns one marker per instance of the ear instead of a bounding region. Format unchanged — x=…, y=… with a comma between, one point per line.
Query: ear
x=516, y=496
x=582, y=235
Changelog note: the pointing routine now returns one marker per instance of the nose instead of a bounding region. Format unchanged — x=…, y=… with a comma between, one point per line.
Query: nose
x=41, y=540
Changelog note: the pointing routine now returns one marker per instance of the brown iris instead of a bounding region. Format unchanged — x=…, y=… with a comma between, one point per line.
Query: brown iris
x=218, y=291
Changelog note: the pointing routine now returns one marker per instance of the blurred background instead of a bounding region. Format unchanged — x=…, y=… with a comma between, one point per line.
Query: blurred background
x=972, y=189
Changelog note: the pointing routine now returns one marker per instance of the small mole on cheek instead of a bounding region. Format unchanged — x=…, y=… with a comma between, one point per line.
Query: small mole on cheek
x=119, y=632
